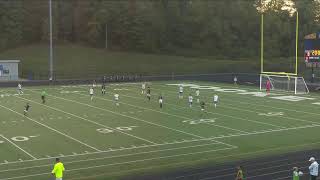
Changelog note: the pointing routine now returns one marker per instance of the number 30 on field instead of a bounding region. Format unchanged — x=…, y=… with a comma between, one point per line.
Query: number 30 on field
x=106, y=130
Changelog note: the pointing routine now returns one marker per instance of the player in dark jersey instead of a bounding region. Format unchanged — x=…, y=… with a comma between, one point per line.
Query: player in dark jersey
x=103, y=88
x=149, y=93
x=202, y=105
x=27, y=107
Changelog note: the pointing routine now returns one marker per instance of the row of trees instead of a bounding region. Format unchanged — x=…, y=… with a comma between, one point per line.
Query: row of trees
x=221, y=28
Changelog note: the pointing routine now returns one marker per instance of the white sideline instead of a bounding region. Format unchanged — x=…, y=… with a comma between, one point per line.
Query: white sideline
x=56, y=109
x=110, y=157
x=128, y=162
x=48, y=127
x=205, y=139
x=115, y=150
x=15, y=145
x=264, y=150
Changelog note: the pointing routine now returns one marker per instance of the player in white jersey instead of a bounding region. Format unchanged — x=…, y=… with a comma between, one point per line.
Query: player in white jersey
x=190, y=100
x=20, y=89
x=235, y=80
x=143, y=88
x=180, y=92
x=161, y=101
x=116, y=99
x=198, y=95
x=91, y=93
x=94, y=84
x=215, y=100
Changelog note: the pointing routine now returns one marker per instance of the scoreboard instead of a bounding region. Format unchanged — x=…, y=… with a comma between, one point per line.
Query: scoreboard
x=312, y=55
x=312, y=48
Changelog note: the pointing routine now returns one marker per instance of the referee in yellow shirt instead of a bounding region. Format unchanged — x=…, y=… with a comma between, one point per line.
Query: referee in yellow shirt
x=58, y=169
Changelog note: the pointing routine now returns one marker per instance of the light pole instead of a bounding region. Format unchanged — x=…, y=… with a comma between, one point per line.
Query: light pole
x=51, y=48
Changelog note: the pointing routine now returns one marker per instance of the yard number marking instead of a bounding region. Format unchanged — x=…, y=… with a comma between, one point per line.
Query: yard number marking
x=106, y=130
x=200, y=121
x=271, y=114
x=22, y=138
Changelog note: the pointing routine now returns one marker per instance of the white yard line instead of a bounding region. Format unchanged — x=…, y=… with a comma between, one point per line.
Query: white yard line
x=266, y=131
x=21, y=149
x=131, y=117
x=48, y=127
x=240, y=109
x=161, y=112
x=110, y=157
x=233, y=117
x=273, y=107
x=205, y=139
x=96, y=123
x=122, y=163
x=220, y=157
x=115, y=150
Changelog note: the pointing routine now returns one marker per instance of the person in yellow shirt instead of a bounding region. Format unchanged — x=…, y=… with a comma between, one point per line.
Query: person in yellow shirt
x=58, y=169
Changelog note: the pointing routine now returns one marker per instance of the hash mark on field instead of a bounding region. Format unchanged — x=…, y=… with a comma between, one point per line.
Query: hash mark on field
x=74, y=153
x=61, y=155
x=6, y=162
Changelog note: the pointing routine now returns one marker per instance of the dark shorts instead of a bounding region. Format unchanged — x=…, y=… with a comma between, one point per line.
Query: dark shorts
x=313, y=177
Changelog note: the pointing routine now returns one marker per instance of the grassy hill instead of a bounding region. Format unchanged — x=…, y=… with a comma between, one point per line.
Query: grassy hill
x=76, y=61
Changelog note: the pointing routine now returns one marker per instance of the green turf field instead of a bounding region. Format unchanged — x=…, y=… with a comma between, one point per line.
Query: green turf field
x=98, y=140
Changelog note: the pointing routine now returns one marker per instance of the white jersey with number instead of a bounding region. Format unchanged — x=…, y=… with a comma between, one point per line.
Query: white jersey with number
x=160, y=101
x=197, y=93
x=19, y=86
x=181, y=89
x=143, y=86
x=215, y=98
x=190, y=98
x=91, y=91
x=116, y=97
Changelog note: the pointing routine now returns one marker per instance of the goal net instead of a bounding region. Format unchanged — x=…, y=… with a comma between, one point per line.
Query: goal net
x=284, y=83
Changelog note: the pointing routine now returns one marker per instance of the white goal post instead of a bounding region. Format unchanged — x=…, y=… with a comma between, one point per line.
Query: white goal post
x=284, y=83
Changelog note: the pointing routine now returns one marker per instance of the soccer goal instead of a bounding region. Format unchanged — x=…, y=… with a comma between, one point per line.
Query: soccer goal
x=284, y=83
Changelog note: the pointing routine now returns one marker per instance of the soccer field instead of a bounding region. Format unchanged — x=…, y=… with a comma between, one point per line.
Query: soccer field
x=98, y=140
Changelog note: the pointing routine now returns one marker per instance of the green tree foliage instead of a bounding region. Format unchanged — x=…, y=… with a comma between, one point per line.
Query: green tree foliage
x=220, y=28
